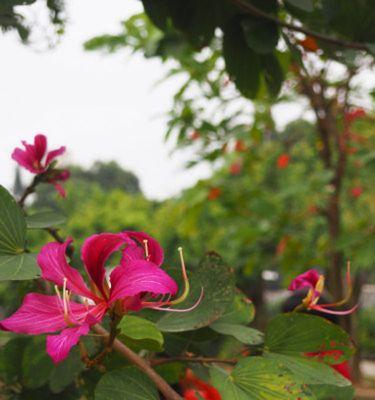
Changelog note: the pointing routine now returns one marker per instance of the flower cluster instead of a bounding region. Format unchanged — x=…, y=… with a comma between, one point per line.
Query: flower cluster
x=314, y=282
x=37, y=160
x=137, y=283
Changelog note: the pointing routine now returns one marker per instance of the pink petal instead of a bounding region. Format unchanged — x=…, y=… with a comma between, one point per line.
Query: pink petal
x=135, y=248
x=25, y=160
x=40, y=146
x=59, y=346
x=60, y=189
x=38, y=314
x=53, y=154
x=308, y=279
x=95, y=252
x=138, y=277
x=52, y=262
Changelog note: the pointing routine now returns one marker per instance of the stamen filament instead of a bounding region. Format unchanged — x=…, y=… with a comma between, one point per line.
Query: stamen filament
x=145, y=242
x=186, y=281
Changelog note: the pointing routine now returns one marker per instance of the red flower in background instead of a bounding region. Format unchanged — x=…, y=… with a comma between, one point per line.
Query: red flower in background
x=282, y=245
x=37, y=160
x=214, y=193
x=309, y=44
x=195, y=135
x=240, y=146
x=283, y=161
x=356, y=191
x=354, y=114
x=193, y=386
x=235, y=168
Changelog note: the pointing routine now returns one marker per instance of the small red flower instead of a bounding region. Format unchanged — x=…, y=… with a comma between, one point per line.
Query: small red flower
x=309, y=44
x=356, y=191
x=193, y=386
x=214, y=193
x=283, y=161
x=240, y=146
x=235, y=168
x=282, y=245
x=354, y=114
x=195, y=135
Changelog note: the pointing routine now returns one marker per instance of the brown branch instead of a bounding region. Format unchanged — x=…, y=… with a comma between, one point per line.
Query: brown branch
x=251, y=9
x=141, y=364
x=28, y=191
x=199, y=360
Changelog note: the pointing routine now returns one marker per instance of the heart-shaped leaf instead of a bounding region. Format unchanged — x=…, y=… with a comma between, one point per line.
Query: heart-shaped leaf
x=18, y=267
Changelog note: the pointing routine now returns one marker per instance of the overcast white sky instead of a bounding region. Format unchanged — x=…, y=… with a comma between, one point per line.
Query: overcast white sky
x=100, y=107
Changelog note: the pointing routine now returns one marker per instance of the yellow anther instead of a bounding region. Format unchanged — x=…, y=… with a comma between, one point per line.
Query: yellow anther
x=145, y=242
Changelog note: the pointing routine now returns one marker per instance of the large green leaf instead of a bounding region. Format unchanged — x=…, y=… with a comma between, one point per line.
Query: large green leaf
x=125, y=384
x=297, y=333
x=11, y=359
x=140, y=333
x=304, y=5
x=258, y=378
x=260, y=35
x=273, y=73
x=45, y=219
x=331, y=392
x=18, y=267
x=217, y=282
x=242, y=63
x=12, y=225
x=241, y=311
x=242, y=333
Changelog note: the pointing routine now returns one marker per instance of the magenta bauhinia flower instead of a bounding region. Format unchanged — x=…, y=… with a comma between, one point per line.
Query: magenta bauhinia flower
x=314, y=282
x=37, y=160
x=138, y=282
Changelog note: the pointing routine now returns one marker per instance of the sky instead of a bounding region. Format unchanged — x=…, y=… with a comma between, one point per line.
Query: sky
x=100, y=107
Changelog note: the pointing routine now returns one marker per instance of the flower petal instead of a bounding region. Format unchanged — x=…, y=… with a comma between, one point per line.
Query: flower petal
x=53, y=154
x=135, y=248
x=95, y=252
x=38, y=314
x=25, y=160
x=59, y=346
x=60, y=189
x=140, y=276
x=308, y=279
x=40, y=146
x=52, y=262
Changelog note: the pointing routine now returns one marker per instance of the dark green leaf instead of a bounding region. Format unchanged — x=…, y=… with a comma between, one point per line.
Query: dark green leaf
x=11, y=359
x=18, y=267
x=304, y=5
x=217, y=282
x=258, y=378
x=241, y=311
x=12, y=225
x=242, y=333
x=273, y=73
x=140, y=333
x=260, y=35
x=157, y=11
x=296, y=334
x=125, y=384
x=242, y=63
x=45, y=219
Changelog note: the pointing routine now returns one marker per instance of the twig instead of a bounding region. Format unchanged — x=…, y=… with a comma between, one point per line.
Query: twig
x=29, y=190
x=199, y=360
x=251, y=9
x=141, y=364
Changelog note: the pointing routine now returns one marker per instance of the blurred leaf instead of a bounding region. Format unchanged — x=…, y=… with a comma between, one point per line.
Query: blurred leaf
x=304, y=5
x=240, y=311
x=45, y=219
x=217, y=282
x=331, y=392
x=273, y=73
x=297, y=333
x=11, y=359
x=242, y=333
x=261, y=36
x=125, y=384
x=258, y=378
x=12, y=225
x=19, y=267
x=140, y=333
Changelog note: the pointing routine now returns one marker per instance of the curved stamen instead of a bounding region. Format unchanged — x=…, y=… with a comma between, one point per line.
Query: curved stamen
x=195, y=305
x=186, y=291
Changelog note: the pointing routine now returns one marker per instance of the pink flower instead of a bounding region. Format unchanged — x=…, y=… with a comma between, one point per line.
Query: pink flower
x=312, y=280
x=37, y=160
x=130, y=286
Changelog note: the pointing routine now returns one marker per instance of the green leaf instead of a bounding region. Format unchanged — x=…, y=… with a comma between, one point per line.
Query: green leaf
x=304, y=5
x=65, y=372
x=297, y=333
x=45, y=219
x=258, y=378
x=125, y=384
x=18, y=267
x=12, y=225
x=260, y=35
x=157, y=11
x=330, y=392
x=242, y=333
x=140, y=333
x=11, y=359
x=273, y=73
x=36, y=364
x=240, y=311
x=242, y=63
x=309, y=371
x=217, y=282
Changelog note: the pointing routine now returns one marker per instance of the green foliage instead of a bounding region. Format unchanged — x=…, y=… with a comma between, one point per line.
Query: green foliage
x=45, y=219
x=18, y=267
x=125, y=384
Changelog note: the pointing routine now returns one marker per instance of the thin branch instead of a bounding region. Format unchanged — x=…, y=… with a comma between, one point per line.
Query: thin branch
x=28, y=191
x=251, y=9
x=141, y=364
x=199, y=360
